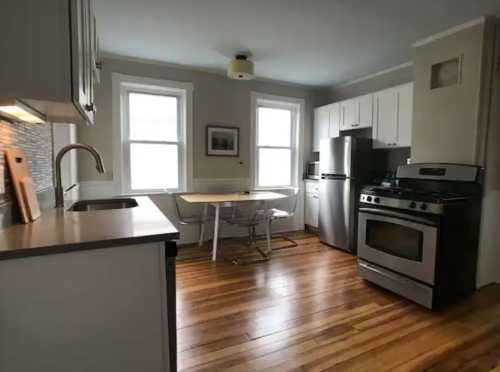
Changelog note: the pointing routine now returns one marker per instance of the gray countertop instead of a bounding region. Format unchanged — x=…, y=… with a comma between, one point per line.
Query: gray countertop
x=59, y=230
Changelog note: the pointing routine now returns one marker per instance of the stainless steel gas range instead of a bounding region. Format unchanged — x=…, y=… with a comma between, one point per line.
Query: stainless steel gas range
x=420, y=239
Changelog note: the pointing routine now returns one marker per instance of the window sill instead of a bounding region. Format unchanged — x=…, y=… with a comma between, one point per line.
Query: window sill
x=132, y=194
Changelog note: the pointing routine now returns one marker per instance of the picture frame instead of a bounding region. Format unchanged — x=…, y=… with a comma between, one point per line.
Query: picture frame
x=223, y=141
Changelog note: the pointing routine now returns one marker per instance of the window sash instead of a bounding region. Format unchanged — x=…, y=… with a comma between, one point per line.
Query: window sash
x=293, y=141
x=127, y=141
x=147, y=92
x=291, y=171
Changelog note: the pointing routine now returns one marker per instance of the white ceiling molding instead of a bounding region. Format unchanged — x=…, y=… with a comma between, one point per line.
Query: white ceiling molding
x=371, y=76
x=221, y=72
x=448, y=32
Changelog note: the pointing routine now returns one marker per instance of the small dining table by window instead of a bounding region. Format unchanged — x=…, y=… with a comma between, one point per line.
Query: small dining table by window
x=218, y=200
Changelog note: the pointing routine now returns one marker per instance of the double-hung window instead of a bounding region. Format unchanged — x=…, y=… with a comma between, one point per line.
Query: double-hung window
x=153, y=127
x=276, y=136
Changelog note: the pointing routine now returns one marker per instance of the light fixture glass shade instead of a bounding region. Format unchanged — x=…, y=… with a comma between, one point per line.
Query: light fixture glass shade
x=240, y=69
x=15, y=110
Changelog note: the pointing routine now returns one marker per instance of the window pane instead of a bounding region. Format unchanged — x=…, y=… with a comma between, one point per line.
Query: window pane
x=153, y=166
x=275, y=167
x=152, y=117
x=275, y=127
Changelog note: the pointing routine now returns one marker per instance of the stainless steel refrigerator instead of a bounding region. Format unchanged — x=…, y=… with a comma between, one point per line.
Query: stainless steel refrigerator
x=344, y=164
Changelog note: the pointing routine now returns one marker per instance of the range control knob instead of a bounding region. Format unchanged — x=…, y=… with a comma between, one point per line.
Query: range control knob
x=423, y=206
x=413, y=205
x=376, y=200
x=368, y=198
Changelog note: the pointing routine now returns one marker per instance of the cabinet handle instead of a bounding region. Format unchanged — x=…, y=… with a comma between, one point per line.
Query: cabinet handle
x=90, y=107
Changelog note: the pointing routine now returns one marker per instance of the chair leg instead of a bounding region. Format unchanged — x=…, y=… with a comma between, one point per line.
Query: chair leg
x=252, y=243
x=202, y=233
x=268, y=236
x=202, y=226
x=292, y=242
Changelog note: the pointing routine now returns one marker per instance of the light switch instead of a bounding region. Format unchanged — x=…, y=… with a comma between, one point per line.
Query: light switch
x=2, y=179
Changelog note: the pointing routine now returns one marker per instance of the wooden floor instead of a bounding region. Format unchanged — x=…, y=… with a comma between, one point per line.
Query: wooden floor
x=307, y=310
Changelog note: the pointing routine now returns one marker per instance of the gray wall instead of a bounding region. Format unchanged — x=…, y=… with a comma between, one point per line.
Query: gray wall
x=445, y=120
x=216, y=99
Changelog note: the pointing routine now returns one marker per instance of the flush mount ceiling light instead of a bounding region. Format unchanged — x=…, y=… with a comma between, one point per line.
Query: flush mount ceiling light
x=240, y=68
x=15, y=110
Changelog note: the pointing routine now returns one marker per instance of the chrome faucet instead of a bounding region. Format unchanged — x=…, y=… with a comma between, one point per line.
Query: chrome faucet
x=59, y=189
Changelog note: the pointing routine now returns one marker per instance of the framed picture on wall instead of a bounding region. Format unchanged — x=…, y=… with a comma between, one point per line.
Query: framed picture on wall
x=223, y=141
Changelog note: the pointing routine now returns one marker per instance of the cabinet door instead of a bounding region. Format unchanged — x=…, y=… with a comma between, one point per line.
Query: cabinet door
x=350, y=114
x=386, y=119
x=311, y=214
x=405, y=114
x=82, y=58
x=321, y=125
x=365, y=111
x=334, y=120
x=94, y=40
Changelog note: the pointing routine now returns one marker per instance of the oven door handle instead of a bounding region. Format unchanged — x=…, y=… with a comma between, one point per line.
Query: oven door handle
x=387, y=213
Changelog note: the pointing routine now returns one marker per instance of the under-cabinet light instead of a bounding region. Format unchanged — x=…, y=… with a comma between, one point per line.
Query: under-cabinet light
x=15, y=110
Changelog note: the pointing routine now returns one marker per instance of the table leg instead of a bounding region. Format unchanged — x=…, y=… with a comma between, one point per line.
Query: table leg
x=202, y=227
x=216, y=232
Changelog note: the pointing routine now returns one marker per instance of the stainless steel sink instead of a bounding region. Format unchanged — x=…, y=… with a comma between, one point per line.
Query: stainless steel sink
x=102, y=204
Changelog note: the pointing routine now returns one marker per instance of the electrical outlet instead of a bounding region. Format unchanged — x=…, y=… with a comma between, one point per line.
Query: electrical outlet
x=2, y=179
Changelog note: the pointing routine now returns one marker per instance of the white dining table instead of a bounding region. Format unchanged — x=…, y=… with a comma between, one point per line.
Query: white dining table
x=218, y=200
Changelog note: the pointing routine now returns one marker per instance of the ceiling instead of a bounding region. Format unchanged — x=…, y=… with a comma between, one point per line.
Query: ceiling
x=310, y=42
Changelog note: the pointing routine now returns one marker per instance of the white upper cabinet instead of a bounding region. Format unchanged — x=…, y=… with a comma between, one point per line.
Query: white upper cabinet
x=389, y=112
x=393, y=110
x=326, y=123
x=53, y=67
x=405, y=114
x=357, y=112
x=321, y=125
x=365, y=111
x=386, y=118
x=349, y=114
x=334, y=130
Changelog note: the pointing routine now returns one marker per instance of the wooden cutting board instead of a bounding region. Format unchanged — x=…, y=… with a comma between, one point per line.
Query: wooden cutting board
x=18, y=167
x=30, y=199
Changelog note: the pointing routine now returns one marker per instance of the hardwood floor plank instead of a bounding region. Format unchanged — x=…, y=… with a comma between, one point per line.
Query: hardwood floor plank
x=307, y=310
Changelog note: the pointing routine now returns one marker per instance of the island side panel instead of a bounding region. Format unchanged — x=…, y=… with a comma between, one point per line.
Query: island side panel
x=96, y=310
x=171, y=302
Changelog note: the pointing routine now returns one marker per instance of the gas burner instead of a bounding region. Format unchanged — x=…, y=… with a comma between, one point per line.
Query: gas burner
x=413, y=194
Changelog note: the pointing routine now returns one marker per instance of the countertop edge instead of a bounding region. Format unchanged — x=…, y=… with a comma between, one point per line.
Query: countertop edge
x=171, y=235
x=86, y=246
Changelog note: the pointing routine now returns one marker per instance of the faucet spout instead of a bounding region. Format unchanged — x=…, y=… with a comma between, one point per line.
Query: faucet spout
x=59, y=193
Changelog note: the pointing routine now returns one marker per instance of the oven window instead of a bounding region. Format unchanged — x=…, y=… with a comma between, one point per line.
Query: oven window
x=396, y=240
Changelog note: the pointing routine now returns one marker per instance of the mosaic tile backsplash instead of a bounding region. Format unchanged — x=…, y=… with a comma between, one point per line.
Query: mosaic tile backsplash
x=36, y=141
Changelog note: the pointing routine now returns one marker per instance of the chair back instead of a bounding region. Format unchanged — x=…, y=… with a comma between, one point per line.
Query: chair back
x=288, y=204
x=186, y=212
x=248, y=213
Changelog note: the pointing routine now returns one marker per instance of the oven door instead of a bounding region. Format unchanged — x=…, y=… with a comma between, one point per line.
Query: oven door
x=398, y=241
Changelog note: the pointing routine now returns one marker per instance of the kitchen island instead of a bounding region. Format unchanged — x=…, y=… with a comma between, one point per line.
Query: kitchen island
x=89, y=291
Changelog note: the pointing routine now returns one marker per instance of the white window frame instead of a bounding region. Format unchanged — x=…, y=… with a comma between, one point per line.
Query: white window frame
x=122, y=85
x=297, y=106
